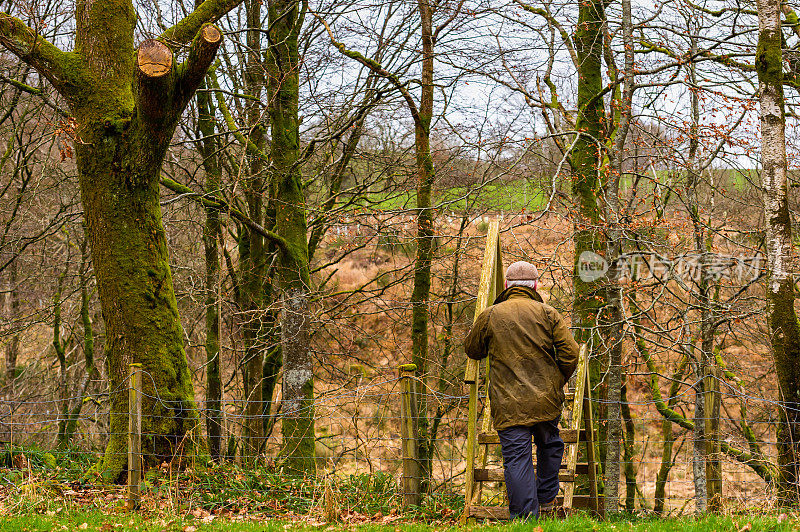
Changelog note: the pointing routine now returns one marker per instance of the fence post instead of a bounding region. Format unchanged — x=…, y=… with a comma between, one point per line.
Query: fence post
x=408, y=435
x=134, y=436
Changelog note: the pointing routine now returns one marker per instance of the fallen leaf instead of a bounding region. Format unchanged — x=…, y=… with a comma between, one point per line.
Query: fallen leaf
x=746, y=527
x=83, y=526
x=189, y=528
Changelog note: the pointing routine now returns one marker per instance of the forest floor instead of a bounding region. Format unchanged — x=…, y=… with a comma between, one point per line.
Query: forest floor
x=101, y=521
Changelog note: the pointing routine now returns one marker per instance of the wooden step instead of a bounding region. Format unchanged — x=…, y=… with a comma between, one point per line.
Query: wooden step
x=496, y=475
x=489, y=512
x=501, y=512
x=483, y=475
x=581, y=468
x=568, y=435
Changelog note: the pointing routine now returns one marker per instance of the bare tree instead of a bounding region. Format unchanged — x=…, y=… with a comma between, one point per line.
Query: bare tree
x=784, y=329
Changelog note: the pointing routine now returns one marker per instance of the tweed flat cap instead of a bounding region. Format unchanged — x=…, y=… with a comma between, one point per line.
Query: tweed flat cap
x=522, y=271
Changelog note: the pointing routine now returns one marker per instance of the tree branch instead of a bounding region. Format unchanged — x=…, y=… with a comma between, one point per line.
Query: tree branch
x=761, y=466
x=234, y=213
x=163, y=89
x=252, y=149
x=201, y=54
x=368, y=103
x=377, y=69
x=557, y=25
x=208, y=12
x=154, y=82
x=58, y=67
x=21, y=86
x=720, y=12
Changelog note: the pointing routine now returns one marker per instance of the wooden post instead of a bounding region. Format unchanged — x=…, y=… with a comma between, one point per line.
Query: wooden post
x=591, y=457
x=472, y=437
x=408, y=435
x=134, y=436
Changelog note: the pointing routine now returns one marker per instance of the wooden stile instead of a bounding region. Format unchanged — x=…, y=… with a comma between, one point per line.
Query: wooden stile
x=491, y=284
x=577, y=416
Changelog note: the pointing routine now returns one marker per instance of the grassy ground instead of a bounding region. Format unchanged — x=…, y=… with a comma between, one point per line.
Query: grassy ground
x=40, y=492
x=100, y=521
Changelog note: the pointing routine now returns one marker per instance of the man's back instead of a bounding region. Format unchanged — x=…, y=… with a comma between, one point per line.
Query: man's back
x=532, y=356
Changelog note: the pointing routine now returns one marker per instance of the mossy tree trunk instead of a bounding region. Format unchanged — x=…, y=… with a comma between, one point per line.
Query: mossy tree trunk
x=252, y=248
x=285, y=20
x=273, y=361
x=60, y=346
x=783, y=326
x=207, y=146
x=586, y=163
x=420, y=294
x=126, y=104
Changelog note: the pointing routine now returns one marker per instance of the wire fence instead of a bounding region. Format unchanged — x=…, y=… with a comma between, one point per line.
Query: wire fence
x=358, y=447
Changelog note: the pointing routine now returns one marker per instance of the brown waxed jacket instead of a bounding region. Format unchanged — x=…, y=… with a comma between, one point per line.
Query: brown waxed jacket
x=532, y=352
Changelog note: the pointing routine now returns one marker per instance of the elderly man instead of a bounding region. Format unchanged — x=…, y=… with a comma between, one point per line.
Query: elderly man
x=532, y=355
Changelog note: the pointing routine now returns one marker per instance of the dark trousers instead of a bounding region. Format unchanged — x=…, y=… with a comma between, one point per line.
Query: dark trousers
x=527, y=488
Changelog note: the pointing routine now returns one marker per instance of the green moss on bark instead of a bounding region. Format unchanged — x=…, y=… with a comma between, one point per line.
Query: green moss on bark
x=782, y=318
x=768, y=60
x=119, y=155
x=298, y=449
x=586, y=163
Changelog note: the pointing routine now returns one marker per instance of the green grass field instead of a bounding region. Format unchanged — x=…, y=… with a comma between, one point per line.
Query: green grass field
x=513, y=196
x=100, y=521
x=523, y=195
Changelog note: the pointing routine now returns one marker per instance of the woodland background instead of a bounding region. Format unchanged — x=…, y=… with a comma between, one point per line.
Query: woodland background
x=324, y=200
